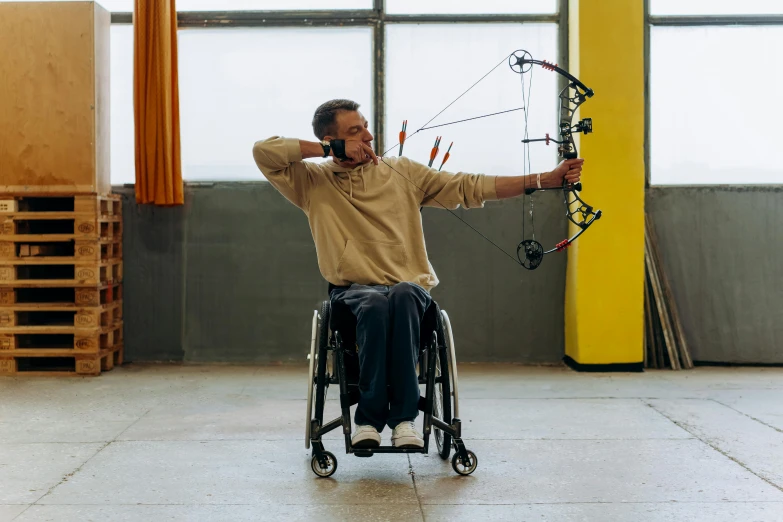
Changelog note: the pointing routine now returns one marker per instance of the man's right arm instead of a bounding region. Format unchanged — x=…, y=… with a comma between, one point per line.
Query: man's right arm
x=311, y=149
x=280, y=160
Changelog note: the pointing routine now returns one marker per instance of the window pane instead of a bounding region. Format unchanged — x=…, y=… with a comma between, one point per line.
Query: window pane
x=126, y=6
x=109, y=5
x=715, y=7
x=714, y=115
x=235, y=91
x=269, y=5
x=422, y=79
x=123, y=169
x=483, y=7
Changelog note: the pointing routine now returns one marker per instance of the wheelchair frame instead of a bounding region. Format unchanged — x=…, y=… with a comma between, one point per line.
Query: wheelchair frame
x=437, y=371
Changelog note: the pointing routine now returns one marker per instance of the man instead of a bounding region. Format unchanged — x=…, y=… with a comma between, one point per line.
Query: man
x=364, y=218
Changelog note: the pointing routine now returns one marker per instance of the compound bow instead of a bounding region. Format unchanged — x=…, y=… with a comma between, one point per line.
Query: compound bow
x=577, y=211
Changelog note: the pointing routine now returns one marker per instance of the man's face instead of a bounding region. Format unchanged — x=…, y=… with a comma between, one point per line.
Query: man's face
x=351, y=125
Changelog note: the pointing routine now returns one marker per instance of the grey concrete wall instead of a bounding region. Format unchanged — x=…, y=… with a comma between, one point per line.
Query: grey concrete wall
x=721, y=249
x=231, y=276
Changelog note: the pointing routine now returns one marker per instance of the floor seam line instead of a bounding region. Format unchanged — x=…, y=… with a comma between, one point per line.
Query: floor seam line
x=716, y=448
x=72, y=473
x=415, y=488
x=746, y=415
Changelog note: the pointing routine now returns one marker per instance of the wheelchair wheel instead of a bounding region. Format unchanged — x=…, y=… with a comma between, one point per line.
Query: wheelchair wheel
x=452, y=360
x=331, y=465
x=311, y=378
x=317, y=381
x=460, y=468
x=441, y=409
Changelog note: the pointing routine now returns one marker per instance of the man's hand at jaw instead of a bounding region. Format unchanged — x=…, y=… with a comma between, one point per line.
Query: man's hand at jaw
x=512, y=186
x=357, y=152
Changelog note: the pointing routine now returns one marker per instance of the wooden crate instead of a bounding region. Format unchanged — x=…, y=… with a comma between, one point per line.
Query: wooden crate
x=72, y=364
x=54, y=80
x=47, y=274
x=58, y=340
x=76, y=296
x=27, y=314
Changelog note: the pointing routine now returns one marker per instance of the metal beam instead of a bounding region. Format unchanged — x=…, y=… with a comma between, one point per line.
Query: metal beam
x=716, y=20
x=334, y=17
x=471, y=18
x=379, y=76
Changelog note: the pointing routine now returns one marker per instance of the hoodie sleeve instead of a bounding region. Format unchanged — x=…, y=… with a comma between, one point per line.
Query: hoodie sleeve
x=280, y=160
x=449, y=189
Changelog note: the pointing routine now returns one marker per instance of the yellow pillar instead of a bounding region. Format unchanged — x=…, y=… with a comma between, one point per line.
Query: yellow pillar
x=604, y=310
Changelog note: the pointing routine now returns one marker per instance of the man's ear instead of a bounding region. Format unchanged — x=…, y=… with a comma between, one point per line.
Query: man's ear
x=328, y=137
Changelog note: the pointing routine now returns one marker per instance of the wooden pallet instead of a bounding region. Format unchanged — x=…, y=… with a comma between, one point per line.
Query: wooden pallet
x=93, y=204
x=60, y=313
x=66, y=225
x=47, y=274
x=71, y=364
x=77, y=296
x=47, y=230
x=59, y=250
x=58, y=340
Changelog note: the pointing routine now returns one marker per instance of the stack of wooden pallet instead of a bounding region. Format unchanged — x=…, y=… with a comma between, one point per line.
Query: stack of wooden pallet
x=60, y=284
x=60, y=226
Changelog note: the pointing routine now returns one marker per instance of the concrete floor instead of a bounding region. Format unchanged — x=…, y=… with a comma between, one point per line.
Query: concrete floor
x=218, y=443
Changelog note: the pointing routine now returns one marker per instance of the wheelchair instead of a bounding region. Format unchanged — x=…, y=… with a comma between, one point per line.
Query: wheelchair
x=334, y=360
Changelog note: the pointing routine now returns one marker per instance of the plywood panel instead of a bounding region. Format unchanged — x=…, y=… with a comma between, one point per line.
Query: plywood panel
x=102, y=99
x=54, y=102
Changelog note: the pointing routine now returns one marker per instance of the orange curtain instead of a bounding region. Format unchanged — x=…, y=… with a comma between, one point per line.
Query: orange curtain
x=156, y=103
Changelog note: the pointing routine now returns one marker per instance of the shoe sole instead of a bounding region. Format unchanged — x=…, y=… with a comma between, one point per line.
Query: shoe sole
x=369, y=442
x=408, y=443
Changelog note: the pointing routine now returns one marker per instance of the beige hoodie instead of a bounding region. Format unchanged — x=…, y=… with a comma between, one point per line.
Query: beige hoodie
x=366, y=221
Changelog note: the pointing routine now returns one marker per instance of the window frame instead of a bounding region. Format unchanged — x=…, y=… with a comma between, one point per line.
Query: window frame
x=687, y=21
x=376, y=18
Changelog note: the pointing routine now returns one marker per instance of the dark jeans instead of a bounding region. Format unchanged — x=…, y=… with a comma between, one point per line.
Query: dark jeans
x=388, y=322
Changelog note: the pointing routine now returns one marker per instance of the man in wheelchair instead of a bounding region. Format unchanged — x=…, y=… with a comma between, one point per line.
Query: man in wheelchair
x=364, y=216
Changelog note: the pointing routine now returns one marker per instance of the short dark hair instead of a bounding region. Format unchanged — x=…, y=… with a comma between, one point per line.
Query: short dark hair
x=325, y=116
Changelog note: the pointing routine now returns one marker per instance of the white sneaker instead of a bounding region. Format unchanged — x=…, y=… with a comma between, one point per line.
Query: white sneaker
x=406, y=436
x=366, y=437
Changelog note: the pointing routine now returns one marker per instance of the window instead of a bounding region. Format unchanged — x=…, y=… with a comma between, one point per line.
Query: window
x=245, y=81
x=238, y=86
x=714, y=112
x=421, y=79
x=715, y=7
x=445, y=7
x=123, y=162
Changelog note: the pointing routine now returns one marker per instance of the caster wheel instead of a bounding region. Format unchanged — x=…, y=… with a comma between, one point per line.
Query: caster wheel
x=456, y=463
x=331, y=465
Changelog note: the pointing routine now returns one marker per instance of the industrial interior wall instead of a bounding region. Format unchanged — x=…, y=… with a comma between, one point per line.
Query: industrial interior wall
x=232, y=276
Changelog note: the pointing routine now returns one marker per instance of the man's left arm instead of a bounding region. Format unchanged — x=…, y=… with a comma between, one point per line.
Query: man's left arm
x=444, y=189
x=513, y=186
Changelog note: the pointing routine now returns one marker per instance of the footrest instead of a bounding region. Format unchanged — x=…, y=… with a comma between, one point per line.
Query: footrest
x=363, y=453
x=369, y=452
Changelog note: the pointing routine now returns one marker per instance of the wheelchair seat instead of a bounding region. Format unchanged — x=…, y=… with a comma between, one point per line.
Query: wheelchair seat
x=342, y=320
